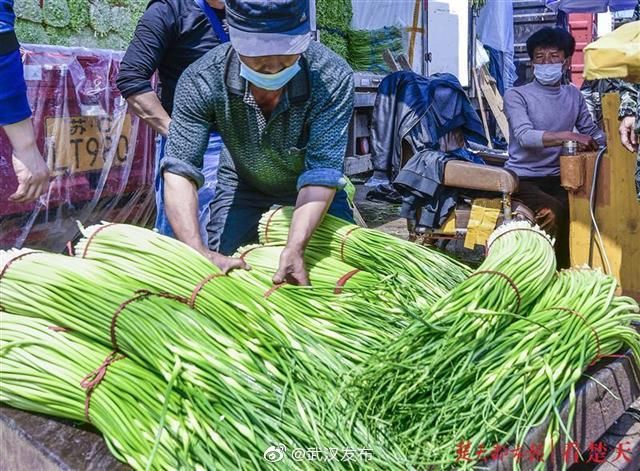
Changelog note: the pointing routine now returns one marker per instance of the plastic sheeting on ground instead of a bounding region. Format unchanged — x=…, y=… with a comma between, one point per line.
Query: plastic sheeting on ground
x=615, y=55
x=100, y=156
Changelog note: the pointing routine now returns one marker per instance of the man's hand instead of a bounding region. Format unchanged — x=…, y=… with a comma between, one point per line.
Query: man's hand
x=28, y=164
x=585, y=142
x=33, y=177
x=291, y=268
x=628, y=134
x=225, y=264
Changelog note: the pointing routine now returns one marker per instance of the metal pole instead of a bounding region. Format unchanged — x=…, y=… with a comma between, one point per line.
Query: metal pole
x=426, y=55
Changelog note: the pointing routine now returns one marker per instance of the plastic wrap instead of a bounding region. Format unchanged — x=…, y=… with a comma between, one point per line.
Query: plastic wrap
x=101, y=157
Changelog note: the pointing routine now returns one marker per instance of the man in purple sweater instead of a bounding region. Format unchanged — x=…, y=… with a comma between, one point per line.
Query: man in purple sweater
x=542, y=115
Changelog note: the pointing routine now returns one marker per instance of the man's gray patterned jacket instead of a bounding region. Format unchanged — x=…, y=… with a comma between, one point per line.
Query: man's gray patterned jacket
x=303, y=142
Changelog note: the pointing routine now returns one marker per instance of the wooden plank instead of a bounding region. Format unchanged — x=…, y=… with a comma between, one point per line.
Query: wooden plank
x=483, y=115
x=617, y=209
x=496, y=104
x=390, y=61
x=404, y=62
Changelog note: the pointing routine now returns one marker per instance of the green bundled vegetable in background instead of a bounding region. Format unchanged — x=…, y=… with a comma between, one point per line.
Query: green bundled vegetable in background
x=107, y=24
x=28, y=10
x=334, y=21
x=100, y=17
x=31, y=33
x=56, y=13
x=79, y=17
x=366, y=48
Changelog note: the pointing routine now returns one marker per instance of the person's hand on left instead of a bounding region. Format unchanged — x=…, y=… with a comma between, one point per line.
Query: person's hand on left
x=292, y=269
x=33, y=177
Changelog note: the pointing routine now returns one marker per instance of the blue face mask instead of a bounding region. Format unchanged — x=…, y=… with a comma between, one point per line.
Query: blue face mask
x=548, y=74
x=269, y=81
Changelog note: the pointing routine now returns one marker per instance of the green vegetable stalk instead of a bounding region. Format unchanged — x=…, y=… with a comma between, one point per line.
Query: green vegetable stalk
x=43, y=369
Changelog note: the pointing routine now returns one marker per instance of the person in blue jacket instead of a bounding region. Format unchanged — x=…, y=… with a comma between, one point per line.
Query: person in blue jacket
x=15, y=114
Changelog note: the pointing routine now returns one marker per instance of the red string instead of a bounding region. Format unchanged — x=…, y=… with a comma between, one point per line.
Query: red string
x=586, y=322
x=93, y=379
x=244, y=254
x=525, y=229
x=509, y=280
x=343, y=280
x=198, y=288
x=6, y=267
x=266, y=227
x=344, y=240
x=140, y=294
x=273, y=289
x=86, y=247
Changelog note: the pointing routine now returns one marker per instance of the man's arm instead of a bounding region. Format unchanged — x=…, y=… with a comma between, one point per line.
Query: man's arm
x=323, y=175
x=30, y=168
x=153, y=36
x=586, y=125
x=311, y=206
x=182, y=165
x=627, y=113
x=525, y=133
x=148, y=107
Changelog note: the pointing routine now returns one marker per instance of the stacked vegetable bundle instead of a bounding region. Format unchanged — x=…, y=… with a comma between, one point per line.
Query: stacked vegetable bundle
x=43, y=367
x=496, y=356
x=396, y=347
x=269, y=368
x=422, y=275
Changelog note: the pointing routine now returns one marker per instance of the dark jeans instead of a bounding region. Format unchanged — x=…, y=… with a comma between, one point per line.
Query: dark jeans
x=236, y=213
x=550, y=203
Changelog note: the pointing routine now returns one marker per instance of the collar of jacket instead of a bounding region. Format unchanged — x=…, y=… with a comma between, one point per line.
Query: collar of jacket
x=298, y=89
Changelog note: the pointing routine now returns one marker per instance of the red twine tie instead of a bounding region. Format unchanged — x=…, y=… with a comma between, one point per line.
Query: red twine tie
x=509, y=280
x=198, y=288
x=86, y=247
x=93, y=379
x=273, y=289
x=344, y=240
x=343, y=280
x=266, y=227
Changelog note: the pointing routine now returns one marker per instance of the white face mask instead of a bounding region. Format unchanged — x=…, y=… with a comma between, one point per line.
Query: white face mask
x=548, y=74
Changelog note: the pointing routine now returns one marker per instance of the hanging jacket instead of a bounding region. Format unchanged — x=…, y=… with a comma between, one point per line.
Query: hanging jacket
x=421, y=109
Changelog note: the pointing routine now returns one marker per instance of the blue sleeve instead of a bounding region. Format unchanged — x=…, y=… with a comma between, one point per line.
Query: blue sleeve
x=328, y=135
x=7, y=16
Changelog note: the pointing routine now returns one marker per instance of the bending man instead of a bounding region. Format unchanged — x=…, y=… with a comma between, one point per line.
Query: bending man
x=282, y=105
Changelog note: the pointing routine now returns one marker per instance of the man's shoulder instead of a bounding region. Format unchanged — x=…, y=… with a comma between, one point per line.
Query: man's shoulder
x=519, y=92
x=212, y=63
x=326, y=64
x=175, y=5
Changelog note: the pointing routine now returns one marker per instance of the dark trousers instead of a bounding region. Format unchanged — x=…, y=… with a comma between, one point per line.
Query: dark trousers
x=236, y=213
x=550, y=203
